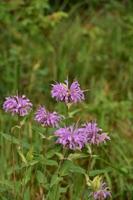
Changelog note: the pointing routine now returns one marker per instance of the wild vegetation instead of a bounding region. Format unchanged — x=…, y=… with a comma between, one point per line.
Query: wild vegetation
x=43, y=42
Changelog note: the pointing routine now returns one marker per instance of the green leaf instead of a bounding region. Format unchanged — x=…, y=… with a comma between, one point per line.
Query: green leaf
x=29, y=155
x=27, y=177
x=71, y=114
x=69, y=167
x=54, y=193
x=59, y=155
x=14, y=140
x=55, y=180
x=100, y=171
x=52, y=152
x=74, y=156
x=64, y=189
x=51, y=162
x=27, y=194
x=40, y=177
x=22, y=157
x=32, y=163
x=77, y=190
x=6, y=183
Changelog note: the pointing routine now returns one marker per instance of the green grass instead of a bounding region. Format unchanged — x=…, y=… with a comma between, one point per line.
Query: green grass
x=95, y=47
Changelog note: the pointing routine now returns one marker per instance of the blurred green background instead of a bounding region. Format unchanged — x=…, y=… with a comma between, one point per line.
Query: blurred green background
x=43, y=41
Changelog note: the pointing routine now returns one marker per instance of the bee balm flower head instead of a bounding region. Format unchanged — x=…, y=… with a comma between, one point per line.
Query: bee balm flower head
x=102, y=193
x=72, y=94
x=19, y=105
x=71, y=137
x=47, y=118
x=94, y=133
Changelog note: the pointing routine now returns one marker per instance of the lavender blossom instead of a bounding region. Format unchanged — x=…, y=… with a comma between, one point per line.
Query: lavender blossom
x=94, y=133
x=76, y=94
x=71, y=137
x=47, y=118
x=102, y=193
x=17, y=105
x=62, y=92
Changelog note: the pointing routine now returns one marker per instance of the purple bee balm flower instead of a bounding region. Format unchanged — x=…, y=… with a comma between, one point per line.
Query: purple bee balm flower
x=62, y=92
x=17, y=105
x=95, y=135
x=76, y=94
x=102, y=193
x=71, y=137
x=47, y=118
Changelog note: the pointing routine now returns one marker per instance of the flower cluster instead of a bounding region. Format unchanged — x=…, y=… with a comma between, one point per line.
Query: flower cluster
x=102, y=193
x=71, y=137
x=62, y=92
x=17, y=105
x=76, y=138
x=94, y=133
x=47, y=118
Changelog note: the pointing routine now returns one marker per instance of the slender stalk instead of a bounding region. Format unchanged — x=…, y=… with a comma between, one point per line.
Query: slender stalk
x=64, y=154
x=44, y=150
x=58, y=173
x=13, y=165
x=23, y=186
x=59, y=167
x=20, y=148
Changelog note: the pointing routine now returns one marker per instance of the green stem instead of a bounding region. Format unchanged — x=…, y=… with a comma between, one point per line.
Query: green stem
x=44, y=149
x=61, y=161
x=20, y=148
x=59, y=167
x=13, y=165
